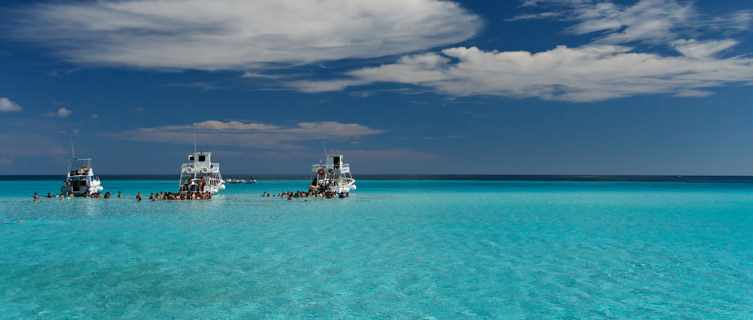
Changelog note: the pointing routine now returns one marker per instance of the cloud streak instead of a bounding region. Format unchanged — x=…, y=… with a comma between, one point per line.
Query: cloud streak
x=649, y=21
x=235, y=35
x=249, y=134
x=583, y=74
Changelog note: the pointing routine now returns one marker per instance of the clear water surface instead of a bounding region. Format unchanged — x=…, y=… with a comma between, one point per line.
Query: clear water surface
x=395, y=249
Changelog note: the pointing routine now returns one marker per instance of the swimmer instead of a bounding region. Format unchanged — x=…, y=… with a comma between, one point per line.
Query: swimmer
x=49, y=196
x=138, y=196
x=107, y=195
x=36, y=197
x=118, y=194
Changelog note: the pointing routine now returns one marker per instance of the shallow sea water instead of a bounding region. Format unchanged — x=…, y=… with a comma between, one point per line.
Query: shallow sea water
x=393, y=250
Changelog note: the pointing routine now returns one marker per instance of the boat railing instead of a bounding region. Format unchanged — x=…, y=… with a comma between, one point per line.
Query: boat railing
x=192, y=166
x=324, y=166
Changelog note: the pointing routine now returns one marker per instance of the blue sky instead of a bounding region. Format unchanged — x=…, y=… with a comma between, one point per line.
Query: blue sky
x=408, y=86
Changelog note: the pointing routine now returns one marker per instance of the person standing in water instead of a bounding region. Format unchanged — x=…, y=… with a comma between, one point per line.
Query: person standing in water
x=138, y=196
x=36, y=197
x=118, y=194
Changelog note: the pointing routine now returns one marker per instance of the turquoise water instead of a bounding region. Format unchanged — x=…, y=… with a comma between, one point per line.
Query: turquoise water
x=395, y=249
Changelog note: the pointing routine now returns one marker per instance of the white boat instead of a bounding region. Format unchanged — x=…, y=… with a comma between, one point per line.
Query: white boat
x=80, y=179
x=200, y=174
x=251, y=180
x=333, y=176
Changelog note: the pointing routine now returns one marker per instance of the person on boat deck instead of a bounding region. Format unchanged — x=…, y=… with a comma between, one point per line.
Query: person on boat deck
x=201, y=184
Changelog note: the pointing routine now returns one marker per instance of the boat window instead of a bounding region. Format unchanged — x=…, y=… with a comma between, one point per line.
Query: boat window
x=190, y=158
x=337, y=162
x=202, y=158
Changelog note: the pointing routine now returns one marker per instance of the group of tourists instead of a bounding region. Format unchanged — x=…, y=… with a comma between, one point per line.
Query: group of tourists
x=96, y=195
x=152, y=196
x=193, y=185
x=290, y=195
x=178, y=196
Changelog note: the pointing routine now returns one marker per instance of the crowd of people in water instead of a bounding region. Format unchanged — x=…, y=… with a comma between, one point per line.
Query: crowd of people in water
x=106, y=195
x=290, y=195
x=177, y=196
x=152, y=196
x=185, y=194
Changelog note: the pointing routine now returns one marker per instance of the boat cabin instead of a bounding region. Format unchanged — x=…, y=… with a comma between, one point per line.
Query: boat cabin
x=200, y=174
x=333, y=175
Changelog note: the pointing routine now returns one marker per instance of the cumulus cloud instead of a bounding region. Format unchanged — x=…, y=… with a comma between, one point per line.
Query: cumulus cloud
x=6, y=105
x=229, y=34
x=608, y=67
x=60, y=113
x=63, y=112
x=588, y=73
x=249, y=134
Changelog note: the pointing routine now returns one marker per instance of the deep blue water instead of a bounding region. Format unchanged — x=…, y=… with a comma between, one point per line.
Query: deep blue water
x=405, y=249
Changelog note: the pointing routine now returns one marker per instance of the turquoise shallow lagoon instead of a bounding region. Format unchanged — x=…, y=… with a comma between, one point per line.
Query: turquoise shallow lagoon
x=395, y=249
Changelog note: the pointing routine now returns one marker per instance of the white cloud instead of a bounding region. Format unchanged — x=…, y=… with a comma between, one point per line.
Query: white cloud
x=60, y=113
x=63, y=112
x=647, y=20
x=251, y=135
x=604, y=69
x=230, y=34
x=8, y=106
x=588, y=73
x=94, y=116
x=652, y=21
x=702, y=49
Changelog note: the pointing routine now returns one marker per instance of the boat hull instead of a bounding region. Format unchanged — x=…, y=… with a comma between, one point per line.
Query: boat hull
x=82, y=190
